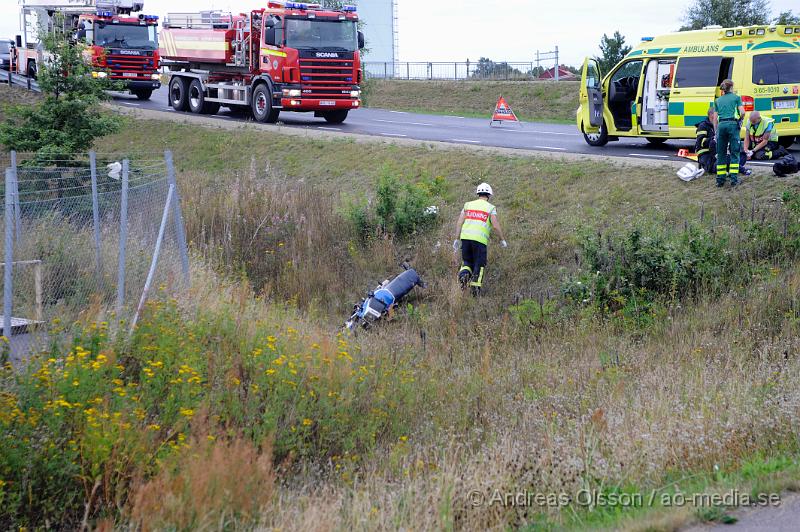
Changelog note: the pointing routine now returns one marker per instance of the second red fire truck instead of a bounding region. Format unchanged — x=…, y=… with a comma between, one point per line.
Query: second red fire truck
x=120, y=44
x=289, y=56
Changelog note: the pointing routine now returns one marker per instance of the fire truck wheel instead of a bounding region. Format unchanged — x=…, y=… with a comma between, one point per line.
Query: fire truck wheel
x=196, y=96
x=177, y=94
x=262, y=105
x=143, y=94
x=335, y=117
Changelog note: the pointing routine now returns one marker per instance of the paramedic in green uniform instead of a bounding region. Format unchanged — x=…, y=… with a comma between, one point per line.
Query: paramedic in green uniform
x=729, y=110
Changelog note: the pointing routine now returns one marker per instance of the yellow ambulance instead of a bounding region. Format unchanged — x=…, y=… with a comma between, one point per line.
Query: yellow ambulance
x=664, y=87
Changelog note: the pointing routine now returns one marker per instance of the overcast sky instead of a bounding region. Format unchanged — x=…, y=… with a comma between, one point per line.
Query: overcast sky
x=435, y=30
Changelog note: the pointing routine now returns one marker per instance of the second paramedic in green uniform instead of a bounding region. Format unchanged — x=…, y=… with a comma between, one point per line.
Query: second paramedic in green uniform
x=729, y=110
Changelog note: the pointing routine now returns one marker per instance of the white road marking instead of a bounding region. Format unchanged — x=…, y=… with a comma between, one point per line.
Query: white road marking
x=466, y=140
x=648, y=155
x=760, y=163
x=402, y=123
x=530, y=132
x=131, y=103
x=393, y=135
x=169, y=109
x=549, y=148
x=329, y=128
x=399, y=112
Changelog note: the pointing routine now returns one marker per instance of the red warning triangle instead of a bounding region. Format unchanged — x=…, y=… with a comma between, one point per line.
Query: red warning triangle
x=503, y=112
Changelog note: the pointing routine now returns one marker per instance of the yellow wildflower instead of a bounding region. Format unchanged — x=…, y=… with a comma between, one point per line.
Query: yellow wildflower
x=307, y=422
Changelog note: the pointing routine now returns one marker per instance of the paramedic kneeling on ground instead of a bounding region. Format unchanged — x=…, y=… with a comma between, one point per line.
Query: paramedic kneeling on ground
x=760, y=140
x=474, y=228
x=729, y=110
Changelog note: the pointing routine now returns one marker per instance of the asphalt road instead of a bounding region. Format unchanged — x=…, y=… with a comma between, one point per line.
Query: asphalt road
x=785, y=518
x=454, y=129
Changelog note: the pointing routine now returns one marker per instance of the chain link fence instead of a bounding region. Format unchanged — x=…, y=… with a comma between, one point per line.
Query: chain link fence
x=545, y=67
x=97, y=231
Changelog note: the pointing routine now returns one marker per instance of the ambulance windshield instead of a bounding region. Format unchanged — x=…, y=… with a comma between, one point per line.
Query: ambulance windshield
x=331, y=35
x=129, y=36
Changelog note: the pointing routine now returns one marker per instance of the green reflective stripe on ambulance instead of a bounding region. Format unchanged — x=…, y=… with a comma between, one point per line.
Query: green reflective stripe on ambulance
x=732, y=49
x=670, y=50
x=790, y=118
x=763, y=104
x=675, y=108
x=635, y=52
x=692, y=121
x=769, y=44
x=654, y=51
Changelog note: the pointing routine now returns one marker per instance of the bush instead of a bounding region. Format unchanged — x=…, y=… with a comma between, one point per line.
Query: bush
x=400, y=207
x=81, y=425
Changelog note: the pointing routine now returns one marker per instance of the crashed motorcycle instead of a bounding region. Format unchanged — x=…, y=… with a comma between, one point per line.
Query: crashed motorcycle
x=383, y=299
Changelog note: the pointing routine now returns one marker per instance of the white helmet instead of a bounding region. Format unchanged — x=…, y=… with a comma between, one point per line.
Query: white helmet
x=484, y=188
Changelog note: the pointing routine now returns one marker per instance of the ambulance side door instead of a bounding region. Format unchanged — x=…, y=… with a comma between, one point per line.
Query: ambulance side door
x=591, y=96
x=694, y=89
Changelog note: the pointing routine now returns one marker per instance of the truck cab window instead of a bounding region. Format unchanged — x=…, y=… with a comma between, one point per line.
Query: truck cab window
x=622, y=90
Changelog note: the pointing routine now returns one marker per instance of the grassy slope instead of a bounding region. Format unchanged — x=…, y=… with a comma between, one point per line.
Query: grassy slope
x=503, y=402
x=532, y=101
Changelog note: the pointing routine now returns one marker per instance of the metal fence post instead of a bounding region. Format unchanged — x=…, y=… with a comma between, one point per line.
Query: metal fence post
x=8, y=287
x=408, y=70
x=96, y=214
x=156, y=253
x=180, y=230
x=15, y=191
x=123, y=237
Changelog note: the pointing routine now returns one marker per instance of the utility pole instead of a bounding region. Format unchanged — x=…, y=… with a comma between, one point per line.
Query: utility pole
x=558, y=65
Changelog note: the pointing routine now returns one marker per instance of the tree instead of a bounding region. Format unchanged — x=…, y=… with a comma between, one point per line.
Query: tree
x=613, y=50
x=787, y=18
x=68, y=120
x=488, y=69
x=726, y=13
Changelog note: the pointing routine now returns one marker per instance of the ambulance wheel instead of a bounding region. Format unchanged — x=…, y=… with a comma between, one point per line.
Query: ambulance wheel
x=787, y=142
x=335, y=117
x=262, y=105
x=656, y=141
x=177, y=94
x=597, y=139
x=196, y=97
x=143, y=94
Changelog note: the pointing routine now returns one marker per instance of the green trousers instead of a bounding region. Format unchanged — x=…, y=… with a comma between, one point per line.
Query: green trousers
x=728, y=148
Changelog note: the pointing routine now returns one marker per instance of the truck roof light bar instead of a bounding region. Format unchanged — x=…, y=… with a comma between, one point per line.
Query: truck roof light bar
x=647, y=39
x=350, y=9
x=104, y=13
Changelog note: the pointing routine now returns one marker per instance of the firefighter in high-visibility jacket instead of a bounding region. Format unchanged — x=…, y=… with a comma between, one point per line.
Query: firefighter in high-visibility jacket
x=473, y=230
x=760, y=140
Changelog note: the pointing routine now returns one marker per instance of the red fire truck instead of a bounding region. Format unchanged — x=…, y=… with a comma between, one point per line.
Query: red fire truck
x=289, y=56
x=120, y=45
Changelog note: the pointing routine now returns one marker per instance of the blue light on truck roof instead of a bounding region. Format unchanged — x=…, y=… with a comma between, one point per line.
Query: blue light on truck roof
x=647, y=39
x=295, y=5
x=105, y=14
x=351, y=9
